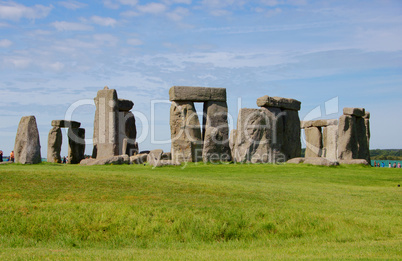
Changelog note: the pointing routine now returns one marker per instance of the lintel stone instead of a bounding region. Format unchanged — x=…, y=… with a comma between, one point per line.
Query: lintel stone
x=125, y=105
x=66, y=124
x=279, y=102
x=358, y=112
x=197, y=94
x=318, y=123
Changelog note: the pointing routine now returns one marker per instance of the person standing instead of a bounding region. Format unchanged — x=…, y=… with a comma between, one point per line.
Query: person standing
x=394, y=166
x=399, y=165
x=389, y=165
x=1, y=156
x=12, y=156
x=382, y=165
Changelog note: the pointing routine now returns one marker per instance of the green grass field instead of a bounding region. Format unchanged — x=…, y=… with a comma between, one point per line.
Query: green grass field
x=201, y=212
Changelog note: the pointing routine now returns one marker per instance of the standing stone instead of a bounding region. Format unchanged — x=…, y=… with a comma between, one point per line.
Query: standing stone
x=54, y=142
x=154, y=157
x=185, y=132
x=127, y=134
x=232, y=142
x=27, y=144
x=367, y=123
x=313, y=142
x=291, y=147
x=347, y=138
x=253, y=137
x=362, y=140
x=106, y=136
x=76, y=145
x=216, y=136
x=330, y=142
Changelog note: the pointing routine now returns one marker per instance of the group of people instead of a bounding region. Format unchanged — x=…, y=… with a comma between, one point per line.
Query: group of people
x=11, y=158
x=390, y=165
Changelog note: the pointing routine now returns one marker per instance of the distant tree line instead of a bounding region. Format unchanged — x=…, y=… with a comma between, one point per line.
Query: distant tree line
x=386, y=154
x=378, y=154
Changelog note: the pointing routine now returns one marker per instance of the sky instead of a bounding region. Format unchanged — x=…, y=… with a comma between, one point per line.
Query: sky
x=56, y=55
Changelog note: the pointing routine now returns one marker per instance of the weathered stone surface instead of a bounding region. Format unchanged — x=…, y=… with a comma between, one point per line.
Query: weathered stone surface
x=362, y=140
x=154, y=157
x=216, y=137
x=167, y=156
x=347, y=138
x=313, y=142
x=296, y=160
x=358, y=112
x=125, y=105
x=330, y=142
x=130, y=148
x=232, y=141
x=54, y=142
x=368, y=134
x=127, y=134
x=318, y=123
x=106, y=135
x=253, y=137
x=319, y=161
x=354, y=161
x=291, y=146
x=27, y=143
x=197, y=94
x=139, y=158
x=76, y=145
x=114, y=160
x=367, y=115
x=185, y=133
x=278, y=102
x=66, y=124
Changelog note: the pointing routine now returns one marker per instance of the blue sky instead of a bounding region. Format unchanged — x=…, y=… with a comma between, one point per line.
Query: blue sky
x=57, y=54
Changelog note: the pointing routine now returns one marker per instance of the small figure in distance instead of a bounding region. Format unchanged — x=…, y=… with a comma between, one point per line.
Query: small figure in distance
x=12, y=156
x=375, y=164
x=64, y=160
x=1, y=156
x=399, y=165
x=378, y=164
x=389, y=165
x=394, y=166
x=382, y=164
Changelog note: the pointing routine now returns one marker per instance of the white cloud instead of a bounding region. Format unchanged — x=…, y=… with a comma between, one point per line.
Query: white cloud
x=134, y=42
x=169, y=2
x=129, y=13
x=178, y=14
x=69, y=26
x=18, y=62
x=73, y=5
x=270, y=2
x=14, y=11
x=128, y=2
x=103, y=21
x=152, y=8
x=57, y=66
x=220, y=12
x=5, y=43
x=106, y=39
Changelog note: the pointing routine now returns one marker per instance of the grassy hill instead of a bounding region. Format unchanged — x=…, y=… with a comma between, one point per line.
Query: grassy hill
x=199, y=212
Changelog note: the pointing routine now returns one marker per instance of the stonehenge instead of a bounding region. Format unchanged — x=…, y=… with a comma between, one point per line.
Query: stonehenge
x=190, y=141
x=343, y=140
x=27, y=143
x=269, y=134
x=76, y=141
x=115, y=130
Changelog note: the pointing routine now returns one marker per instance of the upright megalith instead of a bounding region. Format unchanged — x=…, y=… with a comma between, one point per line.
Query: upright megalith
x=216, y=132
x=54, y=143
x=106, y=124
x=76, y=141
x=27, y=143
x=313, y=142
x=76, y=145
x=321, y=138
x=190, y=141
x=253, y=137
x=185, y=132
x=353, y=134
x=115, y=129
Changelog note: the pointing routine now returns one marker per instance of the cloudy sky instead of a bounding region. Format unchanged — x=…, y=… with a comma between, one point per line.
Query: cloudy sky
x=55, y=56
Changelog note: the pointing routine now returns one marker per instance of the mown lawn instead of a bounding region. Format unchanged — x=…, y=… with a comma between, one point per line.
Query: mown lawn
x=201, y=212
